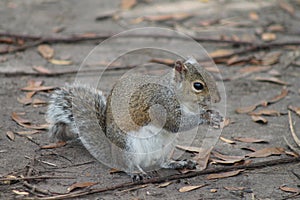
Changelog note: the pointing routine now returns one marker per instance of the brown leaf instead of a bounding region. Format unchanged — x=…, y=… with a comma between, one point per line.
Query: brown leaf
x=190, y=188
x=20, y=192
x=289, y=189
x=24, y=100
x=39, y=88
x=234, y=188
x=127, y=4
x=114, y=170
x=267, y=37
x=226, y=122
x=253, y=16
x=271, y=58
x=38, y=102
x=284, y=93
x=80, y=185
x=295, y=109
x=19, y=119
x=250, y=140
x=237, y=60
x=246, y=109
x=46, y=51
x=220, y=53
x=224, y=174
x=37, y=127
x=27, y=132
x=165, y=61
x=275, y=28
x=271, y=79
x=259, y=119
x=190, y=148
x=202, y=158
x=175, y=16
x=54, y=145
x=10, y=135
x=269, y=151
x=164, y=184
x=41, y=70
x=226, y=157
x=266, y=112
x=253, y=69
x=287, y=7
x=227, y=140
x=60, y=62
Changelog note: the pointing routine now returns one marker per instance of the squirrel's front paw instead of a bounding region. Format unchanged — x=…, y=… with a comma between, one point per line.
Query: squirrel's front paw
x=214, y=118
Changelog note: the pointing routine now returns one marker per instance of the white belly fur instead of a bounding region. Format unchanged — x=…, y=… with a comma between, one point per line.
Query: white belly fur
x=149, y=148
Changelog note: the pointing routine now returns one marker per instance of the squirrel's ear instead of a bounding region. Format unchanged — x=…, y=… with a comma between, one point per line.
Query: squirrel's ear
x=180, y=70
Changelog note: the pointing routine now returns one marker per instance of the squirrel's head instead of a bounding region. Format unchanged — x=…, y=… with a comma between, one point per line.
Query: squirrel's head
x=194, y=83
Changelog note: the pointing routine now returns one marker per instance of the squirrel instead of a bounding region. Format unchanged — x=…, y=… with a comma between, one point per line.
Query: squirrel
x=142, y=128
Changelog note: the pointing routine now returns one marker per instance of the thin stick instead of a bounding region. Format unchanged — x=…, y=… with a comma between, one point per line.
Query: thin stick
x=292, y=130
x=36, y=177
x=251, y=166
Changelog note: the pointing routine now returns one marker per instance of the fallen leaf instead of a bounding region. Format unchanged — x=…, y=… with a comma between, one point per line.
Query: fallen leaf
x=220, y=53
x=276, y=28
x=227, y=140
x=164, y=184
x=127, y=4
x=27, y=132
x=259, y=119
x=38, y=89
x=190, y=188
x=213, y=190
x=20, y=192
x=24, y=100
x=60, y=62
x=217, y=161
x=291, y=153
x=19, y=119
x=226, y=122
x=38, y=102
x=266, y=152
x=295, y=109
x=190, y=148
x=80, y=185
x=266, y=112
x=250, y=140
x=253, y=69
x=163, y=61
x=237, y=60
x=287, y=7
x=226, y=157
x=46, y=51
x=289, y=189
x=114, y=170
x=54, y=145
x=249, y=149
x=234, y=188
x=41, y=70
x=10, y=135
x=224, y=174
x=37, y=127
x=202, y=158
x=267, y=37
x=284, y=93
x=175, y=16
x=246, y=109
x=271, y=79
x=253, y=16
x=271, y=58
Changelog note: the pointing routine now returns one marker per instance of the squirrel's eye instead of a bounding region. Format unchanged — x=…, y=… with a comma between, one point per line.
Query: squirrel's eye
x=198, y=86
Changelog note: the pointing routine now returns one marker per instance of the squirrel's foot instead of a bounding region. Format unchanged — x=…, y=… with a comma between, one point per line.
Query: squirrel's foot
x=140, y=176
x=181, y=164
x=214, y=118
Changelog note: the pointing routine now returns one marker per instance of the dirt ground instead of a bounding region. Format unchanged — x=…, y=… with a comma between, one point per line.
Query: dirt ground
x=233, y=20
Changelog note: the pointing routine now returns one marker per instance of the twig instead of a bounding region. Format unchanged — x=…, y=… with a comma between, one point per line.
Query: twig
x=36, y=177
x=35, y=188
x=173, y=177
x=296, y=139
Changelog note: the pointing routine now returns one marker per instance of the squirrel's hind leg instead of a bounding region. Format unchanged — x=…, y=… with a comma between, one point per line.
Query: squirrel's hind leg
x=181, y=164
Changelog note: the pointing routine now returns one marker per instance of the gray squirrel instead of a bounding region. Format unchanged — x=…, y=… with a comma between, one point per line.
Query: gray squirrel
x=132, y=133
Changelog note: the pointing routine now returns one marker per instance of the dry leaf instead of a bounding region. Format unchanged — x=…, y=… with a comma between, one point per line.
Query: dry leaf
x=41, y=70
x=289, y=189
x=226, y=157
x=60, y=62
x=284, y=93
x=266, y=112
x=271, y=79
x=37, y=127
x=227, y=140
x=164, y=184
x=217, y=161
x=20, y=192
x=10, y=135
x=220, y=53
x=190, y=188
x=19, y=119
x=190, y=149
x=250, y=140
x=80, y=185
x=253, y=69
x=271, y=58
x=24, y=100
x=295, y=109
x=39, y=88
x=27, y=132
x=38, y=102
x=175, y=16
x=224, y=174
x=54, y=145
x=253, y=16
x=114, y=170
x=246, y=109
x=46, y=51
x=127, y=4
x=237, y=60
x=213, y=190
x=269, y=151
x=259, y=119
x=162, y=61
x=276, y=28
x=202, y=158
x=287, y=7
x=267, y=37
